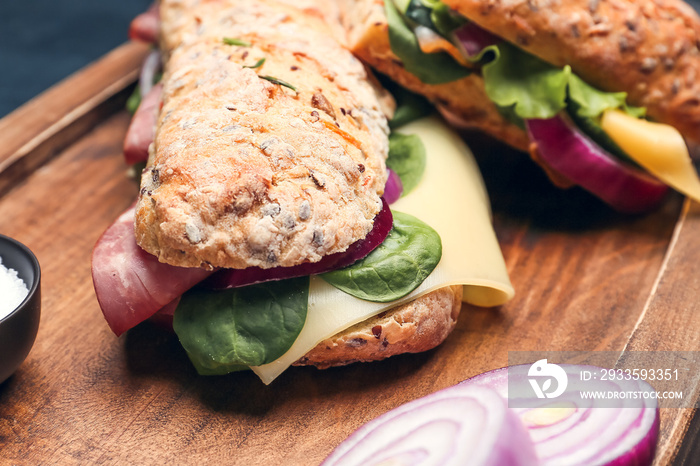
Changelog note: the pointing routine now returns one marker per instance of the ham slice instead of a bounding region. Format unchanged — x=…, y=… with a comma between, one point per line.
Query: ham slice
x=144, y=27
x=142, y=129
x=130, y=284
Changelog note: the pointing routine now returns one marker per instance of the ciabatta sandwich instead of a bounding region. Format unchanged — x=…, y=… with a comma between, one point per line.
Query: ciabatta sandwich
x=262, y=223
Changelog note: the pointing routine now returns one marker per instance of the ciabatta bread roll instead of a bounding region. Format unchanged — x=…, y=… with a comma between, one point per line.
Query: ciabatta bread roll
x=270, y=143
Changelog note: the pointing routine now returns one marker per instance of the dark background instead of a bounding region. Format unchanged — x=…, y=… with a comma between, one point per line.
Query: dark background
x=43, y=41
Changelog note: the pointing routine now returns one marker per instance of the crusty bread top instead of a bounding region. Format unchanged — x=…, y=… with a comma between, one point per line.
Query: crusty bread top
x=648, y=48
x=187, y=20
x=245, y=171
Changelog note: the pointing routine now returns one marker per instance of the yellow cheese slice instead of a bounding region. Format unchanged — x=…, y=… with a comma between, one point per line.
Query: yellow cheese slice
x=452, y=199
x=659, y=148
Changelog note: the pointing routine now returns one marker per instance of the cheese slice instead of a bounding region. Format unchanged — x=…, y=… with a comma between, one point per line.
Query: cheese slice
x=657, y=147
x=452, y=199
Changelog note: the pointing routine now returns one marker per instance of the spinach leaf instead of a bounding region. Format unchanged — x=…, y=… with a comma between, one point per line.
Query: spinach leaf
x=398, y=266
x=419, y=13
x=250, y=326
x=430, y=68
x=409, y=105
x=407, y=159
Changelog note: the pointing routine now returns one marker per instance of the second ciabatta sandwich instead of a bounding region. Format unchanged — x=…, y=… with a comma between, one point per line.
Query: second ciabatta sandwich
x=647, y=49
x=531, y=73
x=261, y=224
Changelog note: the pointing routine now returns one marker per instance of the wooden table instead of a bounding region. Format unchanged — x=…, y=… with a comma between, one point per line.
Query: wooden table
x=586, y=279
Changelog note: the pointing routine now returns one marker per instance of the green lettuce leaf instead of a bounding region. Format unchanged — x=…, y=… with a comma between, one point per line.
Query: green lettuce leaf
x=520, y=84
x=534, y=88
x=407, y=159
x=225, y=331
x=444, y=19
x=402, y=5
x=589, y=102
x=395, y=268
x=523, y=87
x=529, y=87
x=134, y=100
x=430, y=68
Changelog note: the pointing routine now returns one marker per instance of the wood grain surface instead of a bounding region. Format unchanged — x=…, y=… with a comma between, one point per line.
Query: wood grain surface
x=38, y=130
x=586, y=278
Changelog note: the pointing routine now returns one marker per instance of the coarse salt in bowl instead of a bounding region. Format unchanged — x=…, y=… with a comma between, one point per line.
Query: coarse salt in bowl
x=12, y=289
x=20, y=304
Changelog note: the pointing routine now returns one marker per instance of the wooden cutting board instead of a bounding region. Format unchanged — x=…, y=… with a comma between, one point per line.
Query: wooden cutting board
x=586, y=279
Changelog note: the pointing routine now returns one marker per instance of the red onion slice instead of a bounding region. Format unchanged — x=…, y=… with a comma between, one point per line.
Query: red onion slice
x=473, y=39
x=393, y=188
x=586, y=433
x=233, y=278
x=456, y=426
x=573, y=155
x=151, y=65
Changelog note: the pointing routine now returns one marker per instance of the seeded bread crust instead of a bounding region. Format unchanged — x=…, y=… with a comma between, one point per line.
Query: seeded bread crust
x=647, y=48
x=464, y=102
x=245, y=171
x=411, y=328
x=188, y=20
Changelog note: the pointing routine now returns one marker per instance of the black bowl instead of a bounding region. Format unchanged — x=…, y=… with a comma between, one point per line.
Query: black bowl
x=18, y=329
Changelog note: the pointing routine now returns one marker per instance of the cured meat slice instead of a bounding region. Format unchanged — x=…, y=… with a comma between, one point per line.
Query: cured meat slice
x=130, y=284
x=145, y=26
x=142, y=129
